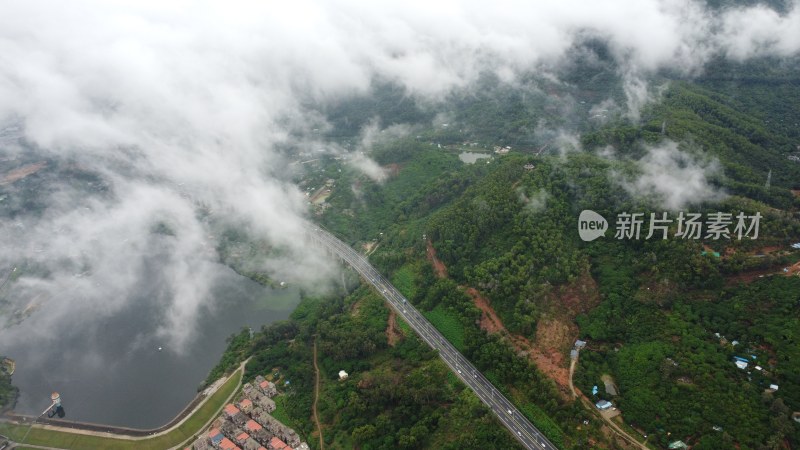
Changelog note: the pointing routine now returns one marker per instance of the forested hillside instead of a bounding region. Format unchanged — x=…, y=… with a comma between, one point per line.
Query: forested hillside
x=398, y=393
x=489, y=251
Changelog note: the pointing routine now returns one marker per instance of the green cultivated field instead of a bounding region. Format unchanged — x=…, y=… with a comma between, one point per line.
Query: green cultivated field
x=405, y=281
x=447, y=323
x=280, y=411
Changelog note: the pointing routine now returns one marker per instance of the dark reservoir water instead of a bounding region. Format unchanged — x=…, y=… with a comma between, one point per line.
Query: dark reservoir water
x=113, y=373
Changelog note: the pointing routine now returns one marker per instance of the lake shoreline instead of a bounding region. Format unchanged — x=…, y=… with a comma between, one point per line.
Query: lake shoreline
x=95, y=403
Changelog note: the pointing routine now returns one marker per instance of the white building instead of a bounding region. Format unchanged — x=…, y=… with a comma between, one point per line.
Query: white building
x=603, y=405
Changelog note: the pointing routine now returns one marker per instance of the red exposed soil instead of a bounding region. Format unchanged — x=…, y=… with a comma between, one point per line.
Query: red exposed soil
x=747, y=277
x=321, y=194
x=393, y=169
x=489, y=320
x=355, y=308
x=765, y=250
x=796, y=192
x=793, y=270
x=550, y=360
x=393, y=333
x=551, y=363
x=316, y=398
x=22, y=172
x=579, y=296
x=438, y=266
x=551, y=334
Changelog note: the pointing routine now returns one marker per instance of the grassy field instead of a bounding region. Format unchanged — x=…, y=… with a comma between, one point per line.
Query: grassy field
x=404, y=280
x=405, y=327
x=188, y=429
x=280, y=411
x=448, y=324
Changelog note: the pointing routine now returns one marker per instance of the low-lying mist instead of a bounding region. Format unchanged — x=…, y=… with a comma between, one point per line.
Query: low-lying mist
x=137, y=128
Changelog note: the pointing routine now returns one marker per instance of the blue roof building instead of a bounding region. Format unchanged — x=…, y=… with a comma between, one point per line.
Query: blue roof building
x=603, y=405
x=215, y=436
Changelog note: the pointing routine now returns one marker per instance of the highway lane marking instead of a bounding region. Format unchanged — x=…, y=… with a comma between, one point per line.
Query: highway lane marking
x=516, y=422
x=455, y=361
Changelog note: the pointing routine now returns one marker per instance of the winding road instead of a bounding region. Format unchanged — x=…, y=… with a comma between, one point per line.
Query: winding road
x=519, y=426
x=316, y=398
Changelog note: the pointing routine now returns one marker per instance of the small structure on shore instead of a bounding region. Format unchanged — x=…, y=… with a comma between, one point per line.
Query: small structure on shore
x=55, y=408
x=8, y=366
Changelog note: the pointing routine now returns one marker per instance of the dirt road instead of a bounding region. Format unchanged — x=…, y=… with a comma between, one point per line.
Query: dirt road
x=316, y=398
x=571, y=372
x=588, y=405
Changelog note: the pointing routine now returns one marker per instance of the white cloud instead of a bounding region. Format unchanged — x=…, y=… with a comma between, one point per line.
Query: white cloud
x=373, y=134
x=368, y=167
x=674, y=179
x=536, y=201
x=758, y=30
x=163, y=98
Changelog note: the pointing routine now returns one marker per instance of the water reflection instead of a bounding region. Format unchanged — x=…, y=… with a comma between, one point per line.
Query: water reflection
x=471, y=157
x=118, y=372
